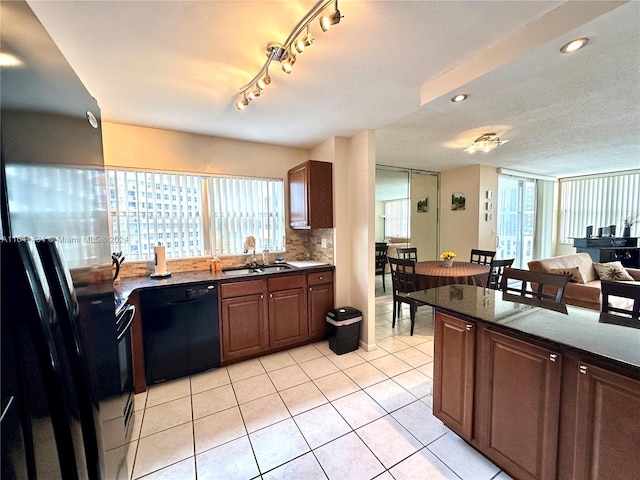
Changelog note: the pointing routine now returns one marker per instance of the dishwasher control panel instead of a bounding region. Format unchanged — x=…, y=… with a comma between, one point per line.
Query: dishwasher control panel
x=200, y=291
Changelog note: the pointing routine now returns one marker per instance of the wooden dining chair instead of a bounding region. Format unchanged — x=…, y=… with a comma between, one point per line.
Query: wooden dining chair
x=623, y=290
x=482, y=257
x=381, y=261
x=409, y=253
x=403, y=279
x=541, y=289
x=496, y=270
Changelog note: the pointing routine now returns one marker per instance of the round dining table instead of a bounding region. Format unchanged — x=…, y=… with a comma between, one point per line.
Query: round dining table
x=433, y=274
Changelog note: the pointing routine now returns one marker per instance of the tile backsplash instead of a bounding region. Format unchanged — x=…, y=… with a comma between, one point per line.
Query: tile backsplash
x=300, y=245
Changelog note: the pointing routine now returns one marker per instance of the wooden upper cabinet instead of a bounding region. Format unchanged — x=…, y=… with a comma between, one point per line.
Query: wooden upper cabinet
x=311, y=195
x=607, y=425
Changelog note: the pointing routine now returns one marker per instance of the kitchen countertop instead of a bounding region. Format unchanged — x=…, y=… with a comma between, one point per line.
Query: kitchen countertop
x=124, y=288
x=579, y=330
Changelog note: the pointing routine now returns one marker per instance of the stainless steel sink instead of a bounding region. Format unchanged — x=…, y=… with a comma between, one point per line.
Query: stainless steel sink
x=256, y=270
x=273, y=268
x=239, y=271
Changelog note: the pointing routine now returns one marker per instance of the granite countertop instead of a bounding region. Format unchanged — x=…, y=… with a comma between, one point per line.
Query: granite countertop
x=579, y=330
x=124, y=288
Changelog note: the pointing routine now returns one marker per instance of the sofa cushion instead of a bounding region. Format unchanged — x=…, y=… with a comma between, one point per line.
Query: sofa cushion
x=573, y=272
x=612, y=271
x=581, y=260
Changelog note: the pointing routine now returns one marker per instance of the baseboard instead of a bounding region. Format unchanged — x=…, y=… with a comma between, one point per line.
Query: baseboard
x=368, y=347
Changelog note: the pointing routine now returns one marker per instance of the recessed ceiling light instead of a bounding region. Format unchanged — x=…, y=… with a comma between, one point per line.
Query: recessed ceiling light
x=459, y=98
x=8, y=60
x=574, y=45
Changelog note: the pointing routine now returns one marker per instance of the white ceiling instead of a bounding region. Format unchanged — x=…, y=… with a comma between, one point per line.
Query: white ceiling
x=391, y=66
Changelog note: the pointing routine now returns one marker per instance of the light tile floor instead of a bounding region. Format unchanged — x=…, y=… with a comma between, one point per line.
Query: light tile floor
x=306, y=414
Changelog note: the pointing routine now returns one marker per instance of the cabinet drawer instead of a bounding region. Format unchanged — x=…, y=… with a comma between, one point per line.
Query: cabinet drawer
x=236, y=289
x=319, y=278
x=286, y=282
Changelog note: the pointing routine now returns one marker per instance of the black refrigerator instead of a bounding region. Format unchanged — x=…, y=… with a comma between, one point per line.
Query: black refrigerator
x=67, y=393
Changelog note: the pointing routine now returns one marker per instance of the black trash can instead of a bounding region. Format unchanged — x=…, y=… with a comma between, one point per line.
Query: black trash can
x=344, y=329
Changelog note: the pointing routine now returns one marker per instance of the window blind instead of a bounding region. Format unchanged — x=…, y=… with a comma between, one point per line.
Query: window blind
x=600, y=202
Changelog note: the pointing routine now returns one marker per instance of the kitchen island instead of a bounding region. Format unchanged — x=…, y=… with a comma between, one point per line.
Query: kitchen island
x=543, y=394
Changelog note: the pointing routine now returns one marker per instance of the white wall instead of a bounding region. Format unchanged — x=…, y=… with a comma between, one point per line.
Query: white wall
x=379, y=221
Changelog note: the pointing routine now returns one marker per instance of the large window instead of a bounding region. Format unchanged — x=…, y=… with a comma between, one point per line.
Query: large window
x=396, y=218
x=598, y=201
x=193, y=215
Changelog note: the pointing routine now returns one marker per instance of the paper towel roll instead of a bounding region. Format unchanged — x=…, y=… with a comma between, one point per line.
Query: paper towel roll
x=160, y=260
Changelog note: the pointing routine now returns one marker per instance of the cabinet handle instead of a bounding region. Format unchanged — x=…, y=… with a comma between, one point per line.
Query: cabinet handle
x=310, y=289
x=469, y=327
x=261, y=297
x=583, y=369
x=320, y=278
x=271, y=295
x=553, y=357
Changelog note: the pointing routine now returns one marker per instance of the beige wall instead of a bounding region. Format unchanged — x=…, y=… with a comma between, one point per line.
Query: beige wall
x=460, y=231
x=128, y=146
x=424, y=225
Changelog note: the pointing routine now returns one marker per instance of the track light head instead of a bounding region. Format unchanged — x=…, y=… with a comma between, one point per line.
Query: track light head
x=327, y=20
x=264, y=81
x=242, y=102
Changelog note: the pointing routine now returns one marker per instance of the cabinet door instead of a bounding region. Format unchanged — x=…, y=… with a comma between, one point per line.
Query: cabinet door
x=320, y=302
x=454, y=351
x=243, y=326
x=298, y=197
x=520, y=399
x=607, y=425
x=287, y=318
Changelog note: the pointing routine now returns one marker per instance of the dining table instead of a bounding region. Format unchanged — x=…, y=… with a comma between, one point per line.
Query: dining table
x=432, y=274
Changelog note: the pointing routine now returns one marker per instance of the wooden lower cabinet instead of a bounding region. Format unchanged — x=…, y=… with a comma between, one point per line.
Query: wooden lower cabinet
x=519, y=405
x=453, y=373
x=320, y=300
x=607, y=425
x=287, y=311
x=536, y=410
x=243, y=324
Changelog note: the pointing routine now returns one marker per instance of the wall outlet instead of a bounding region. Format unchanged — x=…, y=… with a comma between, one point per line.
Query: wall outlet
x=323, y=243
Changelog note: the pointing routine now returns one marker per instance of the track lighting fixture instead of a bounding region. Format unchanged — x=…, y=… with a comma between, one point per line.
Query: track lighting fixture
x=286, y=52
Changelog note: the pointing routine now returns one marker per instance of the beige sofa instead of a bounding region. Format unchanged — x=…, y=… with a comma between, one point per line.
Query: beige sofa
x=586, y=294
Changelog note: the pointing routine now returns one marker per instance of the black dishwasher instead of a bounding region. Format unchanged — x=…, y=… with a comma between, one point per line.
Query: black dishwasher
x=180, y=330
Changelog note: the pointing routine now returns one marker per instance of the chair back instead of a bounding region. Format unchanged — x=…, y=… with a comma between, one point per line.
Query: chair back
x=534, y=288
x=496, y=271
x=629, y=291
x=381, y=256
x=409, y=253
x=482, y=257
x=403, y=275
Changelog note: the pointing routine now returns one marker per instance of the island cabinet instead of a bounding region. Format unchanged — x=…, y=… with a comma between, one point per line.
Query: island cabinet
x=453, y=391
x=533, y=407
x=607, y=430
x=320, y=301
x=518, y=405
x=244, y=330
x=287, y=311
x=311, y=195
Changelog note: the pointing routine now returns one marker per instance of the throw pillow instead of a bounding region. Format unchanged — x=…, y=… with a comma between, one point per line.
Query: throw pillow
x=612, y=271
x=574, y=273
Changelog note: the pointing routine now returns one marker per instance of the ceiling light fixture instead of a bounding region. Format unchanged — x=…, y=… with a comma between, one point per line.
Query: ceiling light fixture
x=286, y=52
x=574, y=45
x=485, y=143
x=459, y=98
